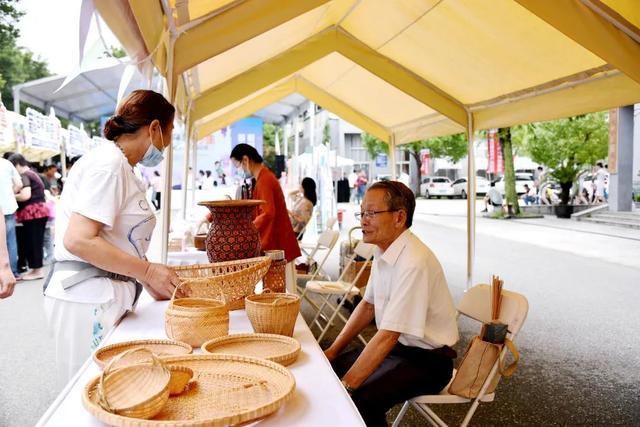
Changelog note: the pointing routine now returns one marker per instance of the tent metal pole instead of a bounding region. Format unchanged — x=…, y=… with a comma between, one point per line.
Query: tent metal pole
x=187, y=152
x=471, y=200
x=168, y=165
x=392, y=156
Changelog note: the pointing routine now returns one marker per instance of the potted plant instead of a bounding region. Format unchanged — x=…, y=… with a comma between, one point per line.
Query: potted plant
x=566, y=175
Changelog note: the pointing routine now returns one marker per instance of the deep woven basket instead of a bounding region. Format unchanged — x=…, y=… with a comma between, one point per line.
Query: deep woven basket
x=135, y=390
x=234, y=279
x=196, y=320
x=273, y=313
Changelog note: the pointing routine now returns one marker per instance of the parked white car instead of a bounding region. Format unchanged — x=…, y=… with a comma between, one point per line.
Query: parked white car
x=460, y=186
x=434, y=186
x=521, y=180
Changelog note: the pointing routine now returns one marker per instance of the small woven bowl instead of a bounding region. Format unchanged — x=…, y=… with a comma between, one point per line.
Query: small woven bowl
x=180, y=377
x=137, y=391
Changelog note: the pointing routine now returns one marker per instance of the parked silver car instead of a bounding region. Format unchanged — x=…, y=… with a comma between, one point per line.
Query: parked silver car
x=460, y=186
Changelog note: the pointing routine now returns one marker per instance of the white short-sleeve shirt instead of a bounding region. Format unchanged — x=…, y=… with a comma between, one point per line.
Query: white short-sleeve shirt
x=102, y=186
x=410, y=294
x=8, y=176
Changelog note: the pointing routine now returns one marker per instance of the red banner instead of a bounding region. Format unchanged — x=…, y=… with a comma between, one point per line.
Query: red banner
x=495, y=164
x=425, y=156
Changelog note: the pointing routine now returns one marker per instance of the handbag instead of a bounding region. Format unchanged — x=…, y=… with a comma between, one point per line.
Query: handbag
x=476, y=365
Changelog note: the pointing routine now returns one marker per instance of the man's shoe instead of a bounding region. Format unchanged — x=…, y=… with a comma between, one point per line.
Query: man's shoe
x=484, y=210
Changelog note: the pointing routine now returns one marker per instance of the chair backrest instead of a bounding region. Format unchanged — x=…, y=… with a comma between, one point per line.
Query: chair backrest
x=328, y=238
x=365, y=250
x=476, y=304
x=331, y=221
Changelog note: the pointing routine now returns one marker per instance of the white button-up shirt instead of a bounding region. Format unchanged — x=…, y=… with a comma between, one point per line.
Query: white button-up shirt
x=409, y=291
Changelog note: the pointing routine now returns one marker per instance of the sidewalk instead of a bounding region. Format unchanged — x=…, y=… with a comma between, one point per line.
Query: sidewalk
x=607, y=243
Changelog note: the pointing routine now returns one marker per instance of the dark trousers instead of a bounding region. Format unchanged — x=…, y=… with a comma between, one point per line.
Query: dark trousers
x=30, y=242
x=406, y=372
x=156, y=200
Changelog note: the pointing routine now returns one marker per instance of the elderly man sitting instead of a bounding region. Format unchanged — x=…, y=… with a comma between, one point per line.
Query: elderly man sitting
x=408, y=295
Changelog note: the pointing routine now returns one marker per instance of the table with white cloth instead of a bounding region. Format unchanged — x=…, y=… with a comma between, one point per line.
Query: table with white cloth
x=319, y=398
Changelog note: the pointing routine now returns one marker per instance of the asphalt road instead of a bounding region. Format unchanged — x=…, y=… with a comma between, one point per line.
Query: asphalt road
x=579, y=345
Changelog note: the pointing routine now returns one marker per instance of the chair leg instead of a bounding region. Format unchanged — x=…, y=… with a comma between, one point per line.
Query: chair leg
x=470, y=412
x=430, y=416
x=400, y=416
x=333, y=316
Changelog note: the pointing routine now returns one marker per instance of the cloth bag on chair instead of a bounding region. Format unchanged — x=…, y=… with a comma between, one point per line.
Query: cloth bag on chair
x=476, y=366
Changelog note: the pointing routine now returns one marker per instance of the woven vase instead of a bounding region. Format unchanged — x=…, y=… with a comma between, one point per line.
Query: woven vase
x=232, y=234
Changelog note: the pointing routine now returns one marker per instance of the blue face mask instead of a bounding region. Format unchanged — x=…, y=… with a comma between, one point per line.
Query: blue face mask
x=153, y=156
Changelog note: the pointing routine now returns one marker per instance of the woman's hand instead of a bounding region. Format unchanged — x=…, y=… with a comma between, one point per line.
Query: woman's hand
x=7, y=282
x=160, y=281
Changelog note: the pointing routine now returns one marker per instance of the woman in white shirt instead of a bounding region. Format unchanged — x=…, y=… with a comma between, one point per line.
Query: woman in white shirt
x=104, y=225
x=304, y=199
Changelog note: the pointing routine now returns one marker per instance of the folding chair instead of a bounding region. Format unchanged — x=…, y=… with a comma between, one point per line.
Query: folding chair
x=475, y=304
x=327, y=289
x=306, y=247
x=326, y=242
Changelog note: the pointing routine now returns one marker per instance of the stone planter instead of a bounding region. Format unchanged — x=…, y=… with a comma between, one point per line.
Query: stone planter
x=232, y=234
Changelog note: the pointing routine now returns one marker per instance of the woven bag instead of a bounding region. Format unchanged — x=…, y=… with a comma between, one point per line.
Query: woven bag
x=196, y=320
x=273, y=313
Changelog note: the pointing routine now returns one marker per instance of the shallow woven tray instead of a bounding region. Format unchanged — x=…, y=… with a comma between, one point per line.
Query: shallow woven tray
x=103, y=355
x=277, y=348
x=226, y=390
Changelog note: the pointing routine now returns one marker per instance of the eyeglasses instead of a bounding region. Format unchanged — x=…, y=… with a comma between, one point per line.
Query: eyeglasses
x=371, y=214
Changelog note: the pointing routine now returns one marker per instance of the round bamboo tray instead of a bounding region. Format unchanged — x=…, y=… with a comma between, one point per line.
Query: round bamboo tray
x=273, y=313
x=226, y=390
x=195, y=320
x=138, y=391
x=235, y=279
x=103, y=355
x=277, y=348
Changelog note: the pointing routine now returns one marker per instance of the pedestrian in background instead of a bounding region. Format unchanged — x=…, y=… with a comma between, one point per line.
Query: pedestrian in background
x=32, y=213
x=10, y=184
x=7, y=279
x=156, y=185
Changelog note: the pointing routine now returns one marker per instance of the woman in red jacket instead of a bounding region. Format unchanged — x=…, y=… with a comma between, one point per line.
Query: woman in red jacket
x=272, y=220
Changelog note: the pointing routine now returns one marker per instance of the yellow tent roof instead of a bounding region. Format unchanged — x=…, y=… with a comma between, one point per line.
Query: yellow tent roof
x=405, y=69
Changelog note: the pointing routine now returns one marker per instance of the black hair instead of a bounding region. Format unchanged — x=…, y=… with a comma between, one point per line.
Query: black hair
x=18, y=159
x=309, y=190
x=398, y=197
x=241, y=150
x=138, y=109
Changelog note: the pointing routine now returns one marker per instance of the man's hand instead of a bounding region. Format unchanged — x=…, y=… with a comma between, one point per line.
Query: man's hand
x=7, y=282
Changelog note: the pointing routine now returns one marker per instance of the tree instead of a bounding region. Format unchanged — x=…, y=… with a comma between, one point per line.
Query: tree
x=17, y=65
x=269, y=144
x=451, y=147
x=567, y=146
x=506, y=145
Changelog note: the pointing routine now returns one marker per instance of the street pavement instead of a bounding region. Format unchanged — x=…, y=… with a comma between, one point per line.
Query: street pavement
x=579, y=345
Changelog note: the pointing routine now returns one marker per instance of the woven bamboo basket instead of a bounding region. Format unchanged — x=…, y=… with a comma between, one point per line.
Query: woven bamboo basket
x=103, y=355
x=195, y=320
x=273, y=313
x=137, y=391
x=277, y=348
x=235, y=279
x=227, y=390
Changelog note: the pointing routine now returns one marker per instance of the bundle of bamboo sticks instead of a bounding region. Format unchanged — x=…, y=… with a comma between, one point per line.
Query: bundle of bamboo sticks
x=496, y=296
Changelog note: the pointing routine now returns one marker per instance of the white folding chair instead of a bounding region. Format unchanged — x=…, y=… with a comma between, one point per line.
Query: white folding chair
x=306, y=247
x=341, y=288
x=476, y=304
x=326, y=242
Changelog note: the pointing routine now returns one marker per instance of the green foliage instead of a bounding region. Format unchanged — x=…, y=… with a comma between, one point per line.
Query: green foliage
x=17, y=65
x=269, y=144
x=326, y=134
x=374, y=145
x=115, y=52
x=567, y=146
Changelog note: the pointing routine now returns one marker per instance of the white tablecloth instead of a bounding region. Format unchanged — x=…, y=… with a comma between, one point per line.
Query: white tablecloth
x=319, y=399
